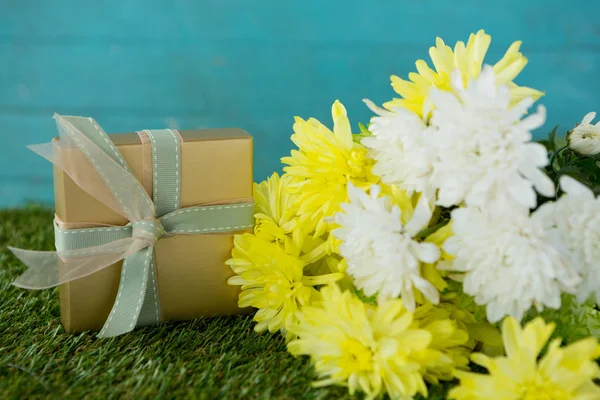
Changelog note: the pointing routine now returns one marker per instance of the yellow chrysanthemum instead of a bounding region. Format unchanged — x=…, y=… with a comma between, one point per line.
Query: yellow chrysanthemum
x=480, y=332
x=563, y=373
x=323, y=165
x=277, y=221
x=367, y=348
x=449, y=337
x=272, y=281
x=469, y=61
x=470, y=317
x=276, y=213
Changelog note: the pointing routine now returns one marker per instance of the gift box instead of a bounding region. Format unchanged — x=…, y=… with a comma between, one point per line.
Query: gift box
x=199, y=188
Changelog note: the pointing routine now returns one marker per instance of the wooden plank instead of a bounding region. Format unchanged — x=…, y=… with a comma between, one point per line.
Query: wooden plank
x=255, y=91
x=246, y=84
x=543, y=23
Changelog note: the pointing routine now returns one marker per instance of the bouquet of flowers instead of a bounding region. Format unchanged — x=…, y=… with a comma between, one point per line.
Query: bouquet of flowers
x=438, y=241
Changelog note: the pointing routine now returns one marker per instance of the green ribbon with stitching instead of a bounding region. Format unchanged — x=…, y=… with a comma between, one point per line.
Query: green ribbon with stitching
x=79, y=251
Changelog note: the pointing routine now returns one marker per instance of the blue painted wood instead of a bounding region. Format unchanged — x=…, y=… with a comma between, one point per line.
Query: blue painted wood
x=255, y=64
x=143, y=83
x=544, y=23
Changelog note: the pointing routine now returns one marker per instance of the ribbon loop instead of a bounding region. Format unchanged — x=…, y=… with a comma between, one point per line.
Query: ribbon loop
x=84, y=251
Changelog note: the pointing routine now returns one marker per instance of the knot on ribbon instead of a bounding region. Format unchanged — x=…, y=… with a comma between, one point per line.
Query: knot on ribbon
x=149, y=229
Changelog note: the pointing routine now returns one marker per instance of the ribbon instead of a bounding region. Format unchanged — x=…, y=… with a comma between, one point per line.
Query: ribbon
x=82, y=252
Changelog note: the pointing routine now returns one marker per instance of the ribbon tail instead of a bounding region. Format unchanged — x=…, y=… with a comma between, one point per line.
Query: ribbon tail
x=45, y=150
x=131, y=296
x=43, y=269
x=48, y=269
x=150, y=313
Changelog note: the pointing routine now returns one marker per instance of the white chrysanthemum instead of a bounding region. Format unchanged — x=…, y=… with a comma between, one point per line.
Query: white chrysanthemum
x=509, y=261
x=576, y=215
x=484, y=150
x=400, y=149
x=380, y=251
x=585, y=137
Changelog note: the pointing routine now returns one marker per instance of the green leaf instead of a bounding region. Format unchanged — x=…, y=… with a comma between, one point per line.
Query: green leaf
x=574, y=320
x=565, y=161
x=364, y=132
x=454, y=294
x=429, y=230
x=550, y=143
x=552, y=135
x=364, y=298
x=364, y=129
x=577, y=173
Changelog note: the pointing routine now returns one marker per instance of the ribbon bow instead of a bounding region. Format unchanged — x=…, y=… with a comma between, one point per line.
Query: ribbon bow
x=107, y=177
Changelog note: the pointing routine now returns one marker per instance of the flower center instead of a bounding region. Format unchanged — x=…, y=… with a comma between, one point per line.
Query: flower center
x=543, y=389
x=589, y=135
x=358, y=166
x=270, y=229
x=356, y=357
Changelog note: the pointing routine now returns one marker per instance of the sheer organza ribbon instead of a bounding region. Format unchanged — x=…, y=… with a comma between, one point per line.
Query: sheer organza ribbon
x=88, y=156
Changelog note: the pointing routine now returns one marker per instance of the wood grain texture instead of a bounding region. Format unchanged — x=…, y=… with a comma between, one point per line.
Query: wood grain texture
x=255, y=64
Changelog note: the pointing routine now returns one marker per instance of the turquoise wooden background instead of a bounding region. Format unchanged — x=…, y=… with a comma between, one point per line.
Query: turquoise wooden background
x=135, y=64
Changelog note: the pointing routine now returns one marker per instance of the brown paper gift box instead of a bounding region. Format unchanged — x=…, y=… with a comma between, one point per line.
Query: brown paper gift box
x=216, y=168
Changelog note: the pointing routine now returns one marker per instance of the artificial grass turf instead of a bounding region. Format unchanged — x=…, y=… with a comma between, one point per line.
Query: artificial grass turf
x=214, y=358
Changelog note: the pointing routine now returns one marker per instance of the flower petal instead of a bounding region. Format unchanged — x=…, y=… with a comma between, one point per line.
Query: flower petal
x=420, y=218
x=575, y=188
x=426, y=252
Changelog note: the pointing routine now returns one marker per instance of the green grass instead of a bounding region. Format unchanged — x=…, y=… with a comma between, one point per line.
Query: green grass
x=216, y=358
